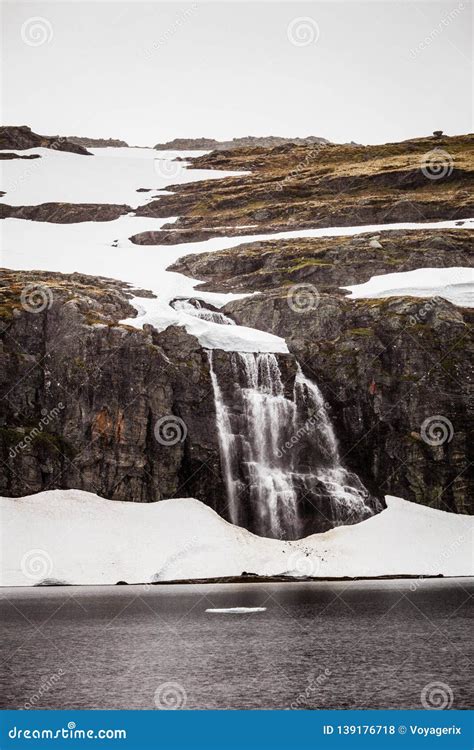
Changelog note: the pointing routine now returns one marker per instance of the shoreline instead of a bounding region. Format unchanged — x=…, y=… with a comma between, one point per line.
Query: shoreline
x=250, y=579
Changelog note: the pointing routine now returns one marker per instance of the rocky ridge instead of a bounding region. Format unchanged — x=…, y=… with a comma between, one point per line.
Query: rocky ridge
x=97, y=142
x=327, y=262
x=296, y=187
x=211, y=144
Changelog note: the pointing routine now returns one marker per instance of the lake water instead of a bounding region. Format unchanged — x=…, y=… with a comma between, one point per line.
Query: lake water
x=362, y=644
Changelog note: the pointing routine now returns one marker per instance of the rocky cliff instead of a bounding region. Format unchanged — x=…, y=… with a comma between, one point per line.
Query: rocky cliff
x=83, y=395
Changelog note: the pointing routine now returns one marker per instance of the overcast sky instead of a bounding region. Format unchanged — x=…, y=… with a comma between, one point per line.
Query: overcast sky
x=148, y=72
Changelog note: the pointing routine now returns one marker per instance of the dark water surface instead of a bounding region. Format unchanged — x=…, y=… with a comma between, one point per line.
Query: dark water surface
x=363, y=644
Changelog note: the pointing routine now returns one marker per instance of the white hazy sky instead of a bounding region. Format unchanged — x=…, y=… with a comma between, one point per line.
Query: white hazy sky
x=148, y=72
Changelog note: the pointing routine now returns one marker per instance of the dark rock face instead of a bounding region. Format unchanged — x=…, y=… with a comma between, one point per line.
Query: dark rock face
x=22, y=137
x=389, y=369
x=82, y=397
x=65, y=213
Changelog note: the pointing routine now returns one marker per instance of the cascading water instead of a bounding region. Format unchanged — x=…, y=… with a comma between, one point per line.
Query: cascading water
x=198, y=311
x=279, y=453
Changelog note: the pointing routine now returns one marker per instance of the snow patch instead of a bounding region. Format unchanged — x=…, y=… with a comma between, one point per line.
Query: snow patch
x=80, y=538
x=455, y=284
x=210, y=335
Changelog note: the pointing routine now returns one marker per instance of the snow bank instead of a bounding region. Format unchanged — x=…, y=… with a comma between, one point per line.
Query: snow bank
x=210, y=335
x=77, y=537
x=455, y=284
x=112, y=175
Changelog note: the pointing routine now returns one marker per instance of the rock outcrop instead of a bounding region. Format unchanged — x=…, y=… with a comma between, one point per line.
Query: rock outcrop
x=65, y=213
x=97, y=142
x=211, y=144
x=21, y=137
x=327, y=262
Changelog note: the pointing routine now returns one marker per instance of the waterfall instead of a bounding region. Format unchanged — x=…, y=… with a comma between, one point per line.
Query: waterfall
x=279, y=453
